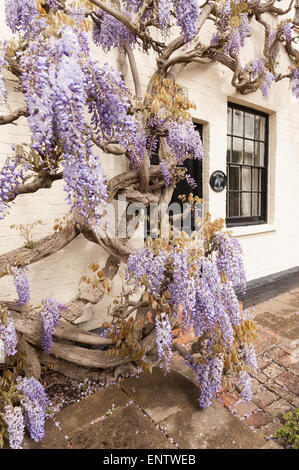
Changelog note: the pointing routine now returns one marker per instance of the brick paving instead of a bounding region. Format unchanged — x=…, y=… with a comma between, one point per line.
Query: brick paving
x=276, y=384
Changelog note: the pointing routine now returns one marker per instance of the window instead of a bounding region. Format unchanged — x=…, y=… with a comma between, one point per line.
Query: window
x=247, y=158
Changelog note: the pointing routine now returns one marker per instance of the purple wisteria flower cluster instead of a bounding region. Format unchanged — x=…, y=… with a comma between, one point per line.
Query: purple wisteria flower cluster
x=8, y=332
x=15, y=425
x=11, y=176
x=295, y=82
x=34, y=402
x=21, y=284
x=184, y=141
x=164, y=340
x=51, y=318
x=59, y=80
x=19, y=14
x=229, y=260
x=187, y=12
x=199, y=291
x=109, y=33
x=3, y=92
x=269, y=78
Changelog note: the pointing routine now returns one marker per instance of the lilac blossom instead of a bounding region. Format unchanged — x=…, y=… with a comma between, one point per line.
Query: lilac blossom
x=8, y=333
x=163, y=340
x=15, y=425
x=34, y=402
x=21, y=284
x=51, y=318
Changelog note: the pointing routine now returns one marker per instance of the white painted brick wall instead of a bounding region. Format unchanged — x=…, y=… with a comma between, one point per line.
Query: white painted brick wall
x=209, y=87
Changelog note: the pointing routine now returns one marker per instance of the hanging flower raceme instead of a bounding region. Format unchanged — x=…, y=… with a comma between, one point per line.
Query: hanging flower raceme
x=15, y=425
x=59, y=80
x=8, y=332
x=194, y=282
x=229, y=259
x=34, y=402
x=11, y=176
x=3, y=92
x=187, y=12
x=51, y=318
x=163, y=340
x=295, y=82
x=21, y=284
x=184, y=141
x=269, y=78
x=109, y=33
x=19, y=14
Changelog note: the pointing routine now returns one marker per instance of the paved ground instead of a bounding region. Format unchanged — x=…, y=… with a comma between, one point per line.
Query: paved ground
x=161, y=412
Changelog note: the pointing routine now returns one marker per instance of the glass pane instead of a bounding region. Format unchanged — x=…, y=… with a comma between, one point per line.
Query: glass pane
x=249, y=125
x=229, y=149
x=234, y=205
x=234, y=177
x=238, y=122
x=246, y=204
x=255, y=206
x=229, y=120
x=237, y=150
x=259, y=153
x=246, y=179
x=260, y=127
x=255, y=179
x=249, y=152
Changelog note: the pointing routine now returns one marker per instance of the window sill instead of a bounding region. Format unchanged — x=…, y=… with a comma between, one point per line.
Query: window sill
x=252, y=230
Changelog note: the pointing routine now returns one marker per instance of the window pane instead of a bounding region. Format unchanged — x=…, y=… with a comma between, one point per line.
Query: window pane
x=234, y=177
x=246, y=179
x=249, y=125
x=249, y=152
x=237, y=150
x=238, y=122
x=259, y=153
x=246, y=204
x=255, y=179
x=234, y=205
x=255, y=206
x=229, y=149
x=229, y=120
x=259, y=128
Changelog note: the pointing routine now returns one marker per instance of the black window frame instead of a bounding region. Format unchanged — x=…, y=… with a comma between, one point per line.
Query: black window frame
x=233, y=221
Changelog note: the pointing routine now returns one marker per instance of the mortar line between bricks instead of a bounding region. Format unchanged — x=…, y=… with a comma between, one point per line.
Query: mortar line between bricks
x=152, y=421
